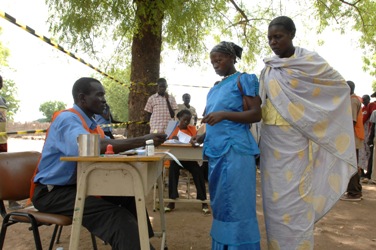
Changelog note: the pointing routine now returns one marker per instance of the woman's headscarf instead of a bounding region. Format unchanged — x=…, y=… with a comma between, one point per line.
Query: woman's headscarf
x=228, y=48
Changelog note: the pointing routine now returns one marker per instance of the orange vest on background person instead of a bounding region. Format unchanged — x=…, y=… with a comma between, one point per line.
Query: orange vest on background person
x=359, y=128
x=190, y=130
x=97, y=130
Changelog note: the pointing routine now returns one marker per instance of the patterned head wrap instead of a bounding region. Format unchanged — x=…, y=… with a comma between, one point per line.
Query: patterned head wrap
x=229, y=48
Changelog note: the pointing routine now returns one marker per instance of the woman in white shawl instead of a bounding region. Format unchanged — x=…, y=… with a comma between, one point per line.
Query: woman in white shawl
x=307, y=139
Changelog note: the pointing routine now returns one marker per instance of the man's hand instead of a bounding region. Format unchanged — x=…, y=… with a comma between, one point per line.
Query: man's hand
x=158, y=138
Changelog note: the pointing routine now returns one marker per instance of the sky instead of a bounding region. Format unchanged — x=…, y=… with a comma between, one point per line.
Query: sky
x=43, y=73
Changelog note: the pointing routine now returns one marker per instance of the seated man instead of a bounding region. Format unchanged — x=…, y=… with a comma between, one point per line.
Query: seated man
x=112, y=219
x=197, y=172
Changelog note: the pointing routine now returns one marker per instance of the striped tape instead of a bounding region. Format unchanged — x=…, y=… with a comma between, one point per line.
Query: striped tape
x=191, y=86
x=122, y=124
x=47, y=40
x=14, y=21
x=41, y=131
x=36, y=131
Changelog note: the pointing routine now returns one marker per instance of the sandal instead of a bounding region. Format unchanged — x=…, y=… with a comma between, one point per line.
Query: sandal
x=170, y=206
x=205, y=208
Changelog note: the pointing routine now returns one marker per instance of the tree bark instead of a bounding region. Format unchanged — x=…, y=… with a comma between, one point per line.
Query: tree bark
x=145, y=66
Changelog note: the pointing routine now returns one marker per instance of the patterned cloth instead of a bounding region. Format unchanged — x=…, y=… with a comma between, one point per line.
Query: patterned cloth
x=231, y=151
x=306, y=165
x=160, y=115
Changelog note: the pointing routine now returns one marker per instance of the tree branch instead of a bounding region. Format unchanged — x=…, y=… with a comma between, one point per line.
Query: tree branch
x=356, y=8
x=240, y=10
x=330, y=11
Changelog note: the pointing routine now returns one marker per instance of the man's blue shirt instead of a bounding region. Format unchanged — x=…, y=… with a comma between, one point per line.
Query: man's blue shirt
x=62, y=141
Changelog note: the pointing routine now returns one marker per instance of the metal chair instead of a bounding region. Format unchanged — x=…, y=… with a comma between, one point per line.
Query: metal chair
x=16, y=170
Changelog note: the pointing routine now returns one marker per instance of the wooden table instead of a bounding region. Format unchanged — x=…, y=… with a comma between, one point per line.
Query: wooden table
x=183, y=152
x=118, y=176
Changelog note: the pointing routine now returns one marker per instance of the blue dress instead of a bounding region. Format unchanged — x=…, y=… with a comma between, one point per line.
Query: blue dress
x=231, y=149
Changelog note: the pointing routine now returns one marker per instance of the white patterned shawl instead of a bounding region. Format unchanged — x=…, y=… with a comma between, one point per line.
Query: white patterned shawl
x=315, y=99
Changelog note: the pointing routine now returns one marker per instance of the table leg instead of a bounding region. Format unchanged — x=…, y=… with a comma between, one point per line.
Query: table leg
x=139, y=196
x=161, y=211
x=133, y=182
x=78, y=212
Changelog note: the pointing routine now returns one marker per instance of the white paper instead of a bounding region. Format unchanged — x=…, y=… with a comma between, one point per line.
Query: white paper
x=173, y=141
x=183, y=137
x=172, y=157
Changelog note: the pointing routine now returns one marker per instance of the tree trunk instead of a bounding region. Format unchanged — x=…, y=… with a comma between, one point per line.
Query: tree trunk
x=145, y=66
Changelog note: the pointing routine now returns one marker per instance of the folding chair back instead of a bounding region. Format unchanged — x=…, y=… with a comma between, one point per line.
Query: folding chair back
x=16, y=171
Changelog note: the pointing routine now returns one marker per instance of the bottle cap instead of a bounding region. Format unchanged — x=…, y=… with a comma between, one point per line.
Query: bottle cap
x=109, y=150
x=149, y=142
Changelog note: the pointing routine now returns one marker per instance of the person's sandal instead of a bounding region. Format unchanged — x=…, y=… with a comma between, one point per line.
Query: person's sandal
x=170, y=206
x=205, y=208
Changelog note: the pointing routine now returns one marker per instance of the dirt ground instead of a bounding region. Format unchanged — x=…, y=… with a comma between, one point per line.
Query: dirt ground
x=348, y=226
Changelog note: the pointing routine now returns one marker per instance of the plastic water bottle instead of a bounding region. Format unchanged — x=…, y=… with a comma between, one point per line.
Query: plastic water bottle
x=60, y=248
x=149, y=148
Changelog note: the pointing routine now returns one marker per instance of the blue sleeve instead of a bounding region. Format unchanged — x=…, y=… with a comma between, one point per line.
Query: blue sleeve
x=250, y=84
x=68, y=127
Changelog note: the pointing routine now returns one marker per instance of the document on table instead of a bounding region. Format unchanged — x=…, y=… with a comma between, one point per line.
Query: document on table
x=173, y=141
x=183, y=137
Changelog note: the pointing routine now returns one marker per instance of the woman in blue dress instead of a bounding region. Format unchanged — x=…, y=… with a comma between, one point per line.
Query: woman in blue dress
x=231, y=149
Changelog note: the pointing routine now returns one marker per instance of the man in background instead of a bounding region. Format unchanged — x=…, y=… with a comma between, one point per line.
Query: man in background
x=160, y=108
x=354, y=188
x=186, y=105
x=13, y=205
x=365, y=153
x=371, y=142
x=367, y=109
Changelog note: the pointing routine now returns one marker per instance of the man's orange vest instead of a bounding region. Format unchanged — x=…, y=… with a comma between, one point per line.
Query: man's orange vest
x=97, y=130
x=359, y=128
